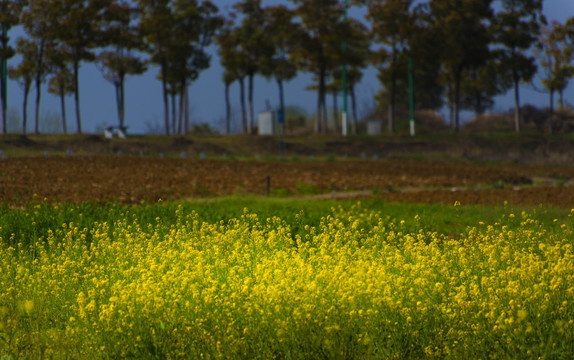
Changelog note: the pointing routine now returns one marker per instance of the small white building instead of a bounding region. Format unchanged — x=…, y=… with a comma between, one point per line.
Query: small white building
x=266, y=123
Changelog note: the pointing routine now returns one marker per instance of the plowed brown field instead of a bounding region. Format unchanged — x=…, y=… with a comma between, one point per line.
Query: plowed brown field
x=134, y=179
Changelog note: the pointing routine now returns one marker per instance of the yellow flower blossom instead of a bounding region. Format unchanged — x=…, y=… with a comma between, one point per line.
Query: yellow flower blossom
x=353, y=285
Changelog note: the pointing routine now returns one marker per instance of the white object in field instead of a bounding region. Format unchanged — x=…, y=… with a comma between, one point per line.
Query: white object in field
x=265, y=123
x=108, y=133
x=120, y=131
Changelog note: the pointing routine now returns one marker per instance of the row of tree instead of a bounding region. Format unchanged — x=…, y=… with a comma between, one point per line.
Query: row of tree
x=121, y=36
x=465, y=53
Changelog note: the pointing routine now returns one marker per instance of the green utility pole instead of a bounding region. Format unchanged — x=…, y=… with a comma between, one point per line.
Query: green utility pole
x=411, y=97
x=344, y=113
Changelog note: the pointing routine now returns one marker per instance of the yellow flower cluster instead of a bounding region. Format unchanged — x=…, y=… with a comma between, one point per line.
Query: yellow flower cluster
x=356, y=286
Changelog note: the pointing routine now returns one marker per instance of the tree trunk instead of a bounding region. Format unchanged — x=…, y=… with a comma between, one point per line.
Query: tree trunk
x=392, y=92
x=335, y=112
x=392, y=104
x=227, y=110
x=63, y=106
x=182, y=95
x=77, y=96
x=37, y=110
x=516, y=103
x=165, y=97
x=456, y=105
x=181, y=111
x=281, y=103
x=39, y=73
x=118, y=102
x=242, y=100
x=250, y=105
x=550, y=120
x=173, y=114
x=318, y=119
x=3, y=110
x=123, y=104
x=3, y=83
x=322, y=101
x=3, y=113
x=450, y=100
x=25, y=110
x=354, y=105
x=186, y=111
x=324, y=112
x=121, y=100
x=455, y=112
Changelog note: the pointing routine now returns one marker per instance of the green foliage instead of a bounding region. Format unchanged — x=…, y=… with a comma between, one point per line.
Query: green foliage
x=463, y=30
x=516, y=29
x=480, y=86
x=319, y=50
x=280, y=28
x=556, y=58
x=36, y=220
x=201, y=129
x=177, y=35
x=393, y=27
x=296, y=118
x=556, y=53
x=306, y=189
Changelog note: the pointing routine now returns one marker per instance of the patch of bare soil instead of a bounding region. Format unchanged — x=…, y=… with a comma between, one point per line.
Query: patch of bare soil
x=131, y=179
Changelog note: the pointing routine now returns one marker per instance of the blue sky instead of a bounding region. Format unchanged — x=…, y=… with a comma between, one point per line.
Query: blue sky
x=144, y=107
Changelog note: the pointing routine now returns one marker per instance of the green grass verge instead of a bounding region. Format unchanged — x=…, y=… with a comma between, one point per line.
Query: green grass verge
x=36, y=220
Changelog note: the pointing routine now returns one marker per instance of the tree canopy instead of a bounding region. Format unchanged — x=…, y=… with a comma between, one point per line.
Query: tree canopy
x=465, y=52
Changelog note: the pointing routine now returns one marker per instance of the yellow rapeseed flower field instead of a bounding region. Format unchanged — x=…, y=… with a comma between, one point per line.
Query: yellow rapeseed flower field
x=356, y=286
